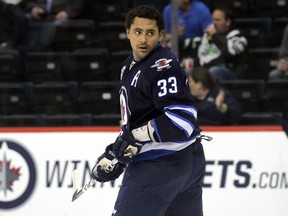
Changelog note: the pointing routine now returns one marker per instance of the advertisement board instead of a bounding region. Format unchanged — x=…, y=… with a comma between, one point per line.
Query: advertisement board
x=246, y=171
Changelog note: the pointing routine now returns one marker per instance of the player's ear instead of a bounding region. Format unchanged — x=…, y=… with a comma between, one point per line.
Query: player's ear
x=127, y=33
x=161, y=34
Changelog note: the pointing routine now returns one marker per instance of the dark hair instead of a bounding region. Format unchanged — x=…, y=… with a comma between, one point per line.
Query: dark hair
x=147, y=12
x=228, y=13
x=202, y=74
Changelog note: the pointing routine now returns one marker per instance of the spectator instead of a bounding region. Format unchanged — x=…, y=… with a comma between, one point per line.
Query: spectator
x=45, y=13
x=215, y=105
x=51, y=10
x=222, y=48
x=13, y=26
x=193, y=18
x=281, y=71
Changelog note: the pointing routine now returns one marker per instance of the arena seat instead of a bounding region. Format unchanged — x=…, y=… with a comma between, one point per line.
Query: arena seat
x=15, y=97
x=44, y=66
x=260, y=62
x=240, y=8
x=106, y=120
x=278, y=27
x=116, y=59
x=99, y=97
x=271, y=8
x=110, y=10
x=54, y=97
x=261, y=118
x=112, y=35
x=87, y=64
x=249, y=93
x=73, y=34
x=22, y=120
x=10, y=65
x=256, y=30
x=276, y=96
x=81, y=119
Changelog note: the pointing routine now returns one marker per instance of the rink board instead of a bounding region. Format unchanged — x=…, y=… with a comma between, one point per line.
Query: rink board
x=246, y=171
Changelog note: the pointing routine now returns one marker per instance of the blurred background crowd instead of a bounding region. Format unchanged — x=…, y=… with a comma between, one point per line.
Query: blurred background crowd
x=60, y=60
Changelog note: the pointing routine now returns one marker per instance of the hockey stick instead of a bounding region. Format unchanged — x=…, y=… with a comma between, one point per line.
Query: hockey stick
x=79, y=191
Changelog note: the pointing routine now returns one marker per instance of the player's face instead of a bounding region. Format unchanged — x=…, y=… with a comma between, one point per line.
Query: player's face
x=144, y=36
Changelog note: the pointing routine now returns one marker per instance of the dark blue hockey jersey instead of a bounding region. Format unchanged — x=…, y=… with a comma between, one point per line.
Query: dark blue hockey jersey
x=156, y=88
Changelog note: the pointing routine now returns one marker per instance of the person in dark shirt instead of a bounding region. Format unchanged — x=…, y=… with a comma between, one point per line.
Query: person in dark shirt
x=45, y=14
x=215, y=105
x=13, y=26
x=222, y=49
x=51, y=10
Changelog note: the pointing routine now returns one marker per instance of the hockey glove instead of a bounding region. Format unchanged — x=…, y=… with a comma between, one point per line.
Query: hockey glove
x=126, y=145
x=129, y=143
x=107, y=167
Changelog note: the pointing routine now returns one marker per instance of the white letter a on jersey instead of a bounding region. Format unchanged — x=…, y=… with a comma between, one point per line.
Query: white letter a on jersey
x=135, y=79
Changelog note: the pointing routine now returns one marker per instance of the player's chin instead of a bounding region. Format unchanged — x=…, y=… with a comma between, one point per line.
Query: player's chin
x=143, y=52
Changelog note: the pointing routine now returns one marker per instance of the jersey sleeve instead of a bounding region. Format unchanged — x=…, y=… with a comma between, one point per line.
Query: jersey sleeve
x=172, y=96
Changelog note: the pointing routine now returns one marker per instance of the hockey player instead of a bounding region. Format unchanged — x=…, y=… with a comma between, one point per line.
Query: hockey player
x=160, y=141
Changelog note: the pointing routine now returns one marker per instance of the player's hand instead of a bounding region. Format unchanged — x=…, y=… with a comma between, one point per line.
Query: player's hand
x=126, y=145
x=106, y=169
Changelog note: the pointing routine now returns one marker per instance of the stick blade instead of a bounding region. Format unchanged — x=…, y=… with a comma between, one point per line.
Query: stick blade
x=75, y=180
x=77, y=194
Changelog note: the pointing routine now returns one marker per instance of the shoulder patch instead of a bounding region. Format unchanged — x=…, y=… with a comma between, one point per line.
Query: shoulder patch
x=161, y=64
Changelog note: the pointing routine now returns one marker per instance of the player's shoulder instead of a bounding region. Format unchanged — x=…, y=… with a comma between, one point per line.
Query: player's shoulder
x=162, y=58
x=162, y=63
x=128, y=59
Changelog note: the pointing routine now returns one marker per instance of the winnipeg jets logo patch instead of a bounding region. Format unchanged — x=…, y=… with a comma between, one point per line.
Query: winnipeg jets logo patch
x=162, y=63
